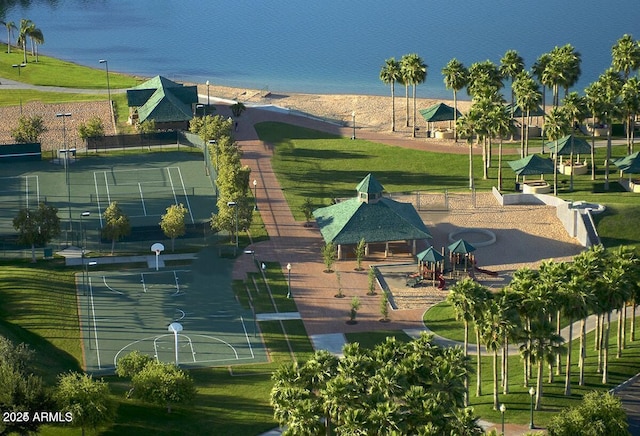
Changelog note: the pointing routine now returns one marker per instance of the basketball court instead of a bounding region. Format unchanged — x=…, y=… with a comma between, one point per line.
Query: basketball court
x=125, y=311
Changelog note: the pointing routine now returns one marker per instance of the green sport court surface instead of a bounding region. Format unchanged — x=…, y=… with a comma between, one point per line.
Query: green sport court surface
x=125, y=311
x=144, y=185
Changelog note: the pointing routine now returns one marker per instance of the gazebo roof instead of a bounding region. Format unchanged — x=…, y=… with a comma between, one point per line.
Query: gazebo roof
x=382, y=220
x=163, y=100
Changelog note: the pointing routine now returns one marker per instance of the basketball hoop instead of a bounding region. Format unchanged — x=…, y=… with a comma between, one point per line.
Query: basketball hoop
x=157, y=248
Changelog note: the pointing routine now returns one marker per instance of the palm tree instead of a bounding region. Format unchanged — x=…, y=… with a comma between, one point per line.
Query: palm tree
x=414, y=72
x=36, y=37
x=611, y=86
x=511, y=65
x=405, y=61
x=630, y=104
x=556, y=125
x=479, y=299
x=23, y=34
x=545, y=344
x=576, y=306
x=625, y=55
x=538, y=69
x=596, y=106
x=456, y=77
x=524, y=287
x=465, y=126
x=484, y=79
x=576, y=109
x=493, y=336
x=500, y=121
x=390, y=74
x=527, y=93
x=461, y=298
x=563, y=70
x=11, y=26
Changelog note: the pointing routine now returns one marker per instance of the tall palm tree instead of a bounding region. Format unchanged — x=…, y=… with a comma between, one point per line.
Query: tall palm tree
x=528, y=305
x=630, y=104
x=501, y=123
x=545, y=344
x=484, y=79
x=625, y=55
x=576, y=300
x=493, y=336
x=576, y=110
x=456, y=77
x=405, y=62
x=563, y=70
x=611, y=83
x=23, y=34
x=556, y=125
x=11, y=26
x=527, y=93
x=538, y=69
x=414, y=73
x=36, y=37
x=594, y=100
x=390, y=74
x=511, y=65
x=480, y=299
x=465, y=126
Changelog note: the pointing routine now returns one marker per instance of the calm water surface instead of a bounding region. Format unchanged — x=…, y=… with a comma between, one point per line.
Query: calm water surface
x=329, y=46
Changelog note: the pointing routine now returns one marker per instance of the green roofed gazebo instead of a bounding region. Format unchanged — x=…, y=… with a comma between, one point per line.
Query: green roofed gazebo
x=168, y=103
x=371, y=217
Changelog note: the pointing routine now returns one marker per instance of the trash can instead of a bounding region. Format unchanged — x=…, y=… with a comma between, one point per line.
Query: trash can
x=48, y=253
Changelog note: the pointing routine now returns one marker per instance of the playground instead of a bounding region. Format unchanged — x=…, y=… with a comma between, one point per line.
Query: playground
x=125, y=311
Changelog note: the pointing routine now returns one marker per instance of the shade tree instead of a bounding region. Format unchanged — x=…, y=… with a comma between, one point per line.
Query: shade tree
x=37, y=227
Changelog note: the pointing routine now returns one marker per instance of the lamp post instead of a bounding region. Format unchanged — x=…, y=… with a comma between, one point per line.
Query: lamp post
x=288, y=280
x=503, y=409
x=353, y=124
x=66, y=161
x=82, y=244
x=208, y=101
x=235, y=205
x=106, y=65
x=255, y=194
x=19, y=67
x=532, y=392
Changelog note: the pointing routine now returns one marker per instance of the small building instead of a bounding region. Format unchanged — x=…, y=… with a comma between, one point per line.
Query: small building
x=168, y=103
x=371, y=217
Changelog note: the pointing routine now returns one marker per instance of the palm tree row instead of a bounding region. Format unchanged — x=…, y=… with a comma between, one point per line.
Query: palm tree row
x=409, y=71
x=527, y=313
x=27, y=31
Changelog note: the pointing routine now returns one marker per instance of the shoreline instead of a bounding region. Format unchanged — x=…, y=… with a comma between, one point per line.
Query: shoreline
x=371, y=112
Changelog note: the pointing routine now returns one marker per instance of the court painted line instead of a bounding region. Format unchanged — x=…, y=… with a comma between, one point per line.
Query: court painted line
x=95, y=182
x=175, y=276
x=26, y=183
x=144, y=286
x=246, y=335
x=186, y=197
x=95, y=326
x=144, y=208
x=173, y=190
x=182, y=316
x=104, y=280
x=106, y=184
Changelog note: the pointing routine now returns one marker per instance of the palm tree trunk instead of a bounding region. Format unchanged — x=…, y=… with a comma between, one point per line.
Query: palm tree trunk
x=455, y=115
x=633, y=320
x=466, y=354
x=567, y=376
x=485, y=158
x=539, y=383
x=495, y=379
x=413, y=134
x=479, y=364
x=558, y=354
x=593, y=150
x=605, y=346
x=471, y=163
x=393, y=106
x=619, y=333
x=555, y=170
x=607, y=158
x=522, y=143
x=596, y=343
x=583, y=350
x=623, y=344
x=505, y=366
x=500, y=165
x=406, y=104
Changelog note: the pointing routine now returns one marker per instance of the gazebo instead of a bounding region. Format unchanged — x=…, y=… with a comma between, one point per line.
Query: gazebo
x=371, y=217
x=439, y=112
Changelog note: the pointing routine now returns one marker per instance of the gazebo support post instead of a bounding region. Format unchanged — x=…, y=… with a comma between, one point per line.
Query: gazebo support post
x=413, y=247
x=386, y=249
x=339, y=251
x=366, y=250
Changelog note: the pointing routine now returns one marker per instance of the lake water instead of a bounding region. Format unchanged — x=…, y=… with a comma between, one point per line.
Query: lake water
x=329, y=46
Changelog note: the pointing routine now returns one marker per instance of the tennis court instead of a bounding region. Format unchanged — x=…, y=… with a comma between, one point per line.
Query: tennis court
x=125, y=311
x=17, y=192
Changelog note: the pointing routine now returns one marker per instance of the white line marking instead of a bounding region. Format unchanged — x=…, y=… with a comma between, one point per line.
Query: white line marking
x=95, y=327
x=175, y=276
x=26, y=182
x=106, y=184
x=186, y=196
x=95, y=182
x=144, y=208
x=173, y=190
x=246, y=335
x=38, y=188
x=104, y=280
x=182, y=317
x=144, y=286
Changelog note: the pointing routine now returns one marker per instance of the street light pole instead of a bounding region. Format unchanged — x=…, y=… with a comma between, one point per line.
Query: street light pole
x=503, y=409
x=208, y=101
x=255, y=194
x=82, y=244
x=288, y=280
x=532, y=392
x=106, y=65
x=19, y=67
x=353, y=124
x=66, y=162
